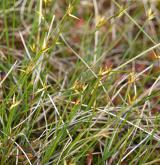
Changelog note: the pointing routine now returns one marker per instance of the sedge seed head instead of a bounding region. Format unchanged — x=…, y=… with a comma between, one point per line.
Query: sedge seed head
x=131, y=78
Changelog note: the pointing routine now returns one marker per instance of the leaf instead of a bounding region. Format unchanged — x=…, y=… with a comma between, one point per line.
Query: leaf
x=73, y=16
x=15, y=104
x=69, y=12
x=40, y=14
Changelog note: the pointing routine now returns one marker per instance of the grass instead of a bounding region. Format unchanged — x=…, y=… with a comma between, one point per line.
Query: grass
x=79, y=82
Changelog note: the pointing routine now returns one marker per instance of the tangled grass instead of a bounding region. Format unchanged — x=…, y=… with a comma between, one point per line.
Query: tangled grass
x=79, y=82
